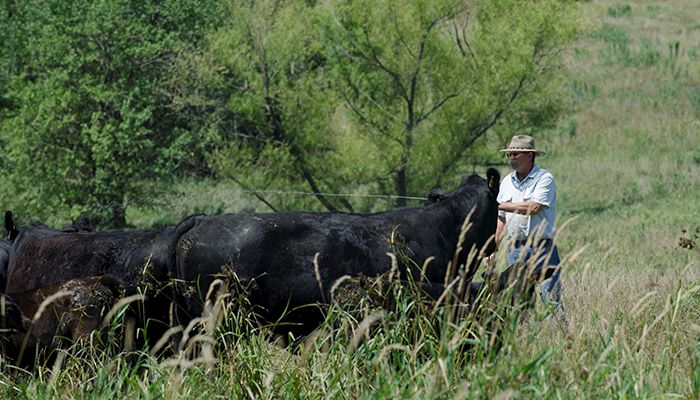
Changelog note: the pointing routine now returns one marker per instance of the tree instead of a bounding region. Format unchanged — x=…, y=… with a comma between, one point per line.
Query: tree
x=389, y=96
x=282, y=102
x=425, y=80
x=90, y=120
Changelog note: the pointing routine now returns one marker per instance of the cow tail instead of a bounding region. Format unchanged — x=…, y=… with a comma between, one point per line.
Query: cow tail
x=493, y=177
x=183, y=227
x=177, y=314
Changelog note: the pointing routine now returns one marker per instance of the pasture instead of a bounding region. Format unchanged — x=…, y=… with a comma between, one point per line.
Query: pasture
x=627, y=164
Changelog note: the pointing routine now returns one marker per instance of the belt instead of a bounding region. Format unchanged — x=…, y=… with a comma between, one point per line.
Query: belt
x=519, y=243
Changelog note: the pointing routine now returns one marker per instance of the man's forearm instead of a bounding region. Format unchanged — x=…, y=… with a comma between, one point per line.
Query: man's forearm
x=500, y=229
x=523, y=207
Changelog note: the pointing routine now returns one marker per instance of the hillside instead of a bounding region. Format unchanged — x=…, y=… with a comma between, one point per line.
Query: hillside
x=626, y=159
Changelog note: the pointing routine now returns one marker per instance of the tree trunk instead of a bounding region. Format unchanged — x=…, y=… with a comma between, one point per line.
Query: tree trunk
x=401, y=187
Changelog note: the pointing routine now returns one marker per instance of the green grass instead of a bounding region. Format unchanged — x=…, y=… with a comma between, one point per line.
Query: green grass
x=627, y=165
x=618, y=345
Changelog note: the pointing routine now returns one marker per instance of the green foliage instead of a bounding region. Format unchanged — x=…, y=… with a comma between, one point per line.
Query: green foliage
x=620, y=10
x=100, y=97
x=282, y=104
x=384, y=97
x=89, y=117
x=614, y=35
x=621, y=51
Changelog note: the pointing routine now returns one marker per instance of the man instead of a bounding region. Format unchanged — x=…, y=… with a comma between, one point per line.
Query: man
x=527, y=206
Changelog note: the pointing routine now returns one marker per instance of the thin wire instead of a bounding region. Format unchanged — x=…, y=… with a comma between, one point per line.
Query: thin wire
x=337, y=194
x=161, y=199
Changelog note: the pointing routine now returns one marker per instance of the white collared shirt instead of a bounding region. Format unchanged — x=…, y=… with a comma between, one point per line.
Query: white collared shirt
x=538, y=186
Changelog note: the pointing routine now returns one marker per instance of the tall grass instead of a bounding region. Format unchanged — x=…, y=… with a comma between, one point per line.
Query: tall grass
x=630, y=334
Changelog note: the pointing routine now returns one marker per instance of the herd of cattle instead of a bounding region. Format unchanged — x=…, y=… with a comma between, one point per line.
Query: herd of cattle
x=57, y=285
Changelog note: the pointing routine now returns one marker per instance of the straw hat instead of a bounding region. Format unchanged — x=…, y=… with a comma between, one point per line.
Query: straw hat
x=523, y=143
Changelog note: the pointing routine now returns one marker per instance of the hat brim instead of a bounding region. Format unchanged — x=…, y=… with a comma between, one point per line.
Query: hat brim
x=537, y=152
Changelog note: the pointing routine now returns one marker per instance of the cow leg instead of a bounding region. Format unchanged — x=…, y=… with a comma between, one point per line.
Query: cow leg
x=202, y=307
x=383, y=295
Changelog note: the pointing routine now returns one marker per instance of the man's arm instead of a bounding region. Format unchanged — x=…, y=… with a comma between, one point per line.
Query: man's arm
x=542, y=196
x=500, y=229
x=524, y=207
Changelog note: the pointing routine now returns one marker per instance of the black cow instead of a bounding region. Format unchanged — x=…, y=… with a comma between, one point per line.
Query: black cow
x=5, y=247
x=42, y=257
x=77, y=308
x=273, y=254
x=80, y=225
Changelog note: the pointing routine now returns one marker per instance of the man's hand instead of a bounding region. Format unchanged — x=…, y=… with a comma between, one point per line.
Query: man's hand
x=491, y=261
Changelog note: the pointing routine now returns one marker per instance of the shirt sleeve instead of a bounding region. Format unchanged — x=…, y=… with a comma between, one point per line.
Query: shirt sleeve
x=545, y=191
x=503, y=196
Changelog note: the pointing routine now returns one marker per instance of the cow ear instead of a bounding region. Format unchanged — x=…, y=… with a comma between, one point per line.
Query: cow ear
x=12, y=232
x=436, y=195
x=493, y=177
x=9, y=223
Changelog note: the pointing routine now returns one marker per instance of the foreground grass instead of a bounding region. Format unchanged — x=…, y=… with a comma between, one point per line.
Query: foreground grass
x=631, y=335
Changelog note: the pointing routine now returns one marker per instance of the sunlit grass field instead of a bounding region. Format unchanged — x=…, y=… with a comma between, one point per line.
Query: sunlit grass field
x=627, y=165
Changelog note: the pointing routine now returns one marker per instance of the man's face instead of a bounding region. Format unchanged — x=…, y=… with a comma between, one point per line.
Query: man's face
x=519, y=159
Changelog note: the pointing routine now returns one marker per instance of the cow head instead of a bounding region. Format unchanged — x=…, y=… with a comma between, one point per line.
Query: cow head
x=476, y=198
x=493, y=180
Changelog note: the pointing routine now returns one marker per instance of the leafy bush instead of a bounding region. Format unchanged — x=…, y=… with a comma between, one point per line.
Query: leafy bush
x=87, y=116
x=620, y=10
x=612, y=34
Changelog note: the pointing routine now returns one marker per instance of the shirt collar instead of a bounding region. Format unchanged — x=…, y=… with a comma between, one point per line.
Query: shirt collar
x=533, y=172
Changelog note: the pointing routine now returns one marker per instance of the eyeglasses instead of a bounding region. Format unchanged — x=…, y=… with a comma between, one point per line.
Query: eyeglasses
x=514, y=154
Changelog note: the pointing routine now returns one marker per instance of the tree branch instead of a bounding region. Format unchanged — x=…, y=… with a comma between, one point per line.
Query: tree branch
x=412, y=122
x=311, y=181
x=435, y=107
x=464, y=39
x=480, y=130
x=377, y=62
x=365, y=119
x=401, y=39
x=255, y=193
x=419, y=58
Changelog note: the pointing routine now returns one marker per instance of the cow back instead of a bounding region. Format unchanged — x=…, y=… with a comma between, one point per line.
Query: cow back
x=42, y=257
x=294, y=258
